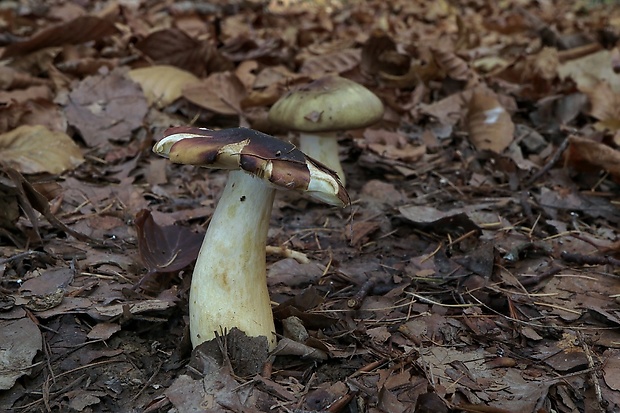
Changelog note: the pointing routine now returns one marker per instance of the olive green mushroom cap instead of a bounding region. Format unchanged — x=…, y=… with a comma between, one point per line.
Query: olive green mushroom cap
x=328, y=104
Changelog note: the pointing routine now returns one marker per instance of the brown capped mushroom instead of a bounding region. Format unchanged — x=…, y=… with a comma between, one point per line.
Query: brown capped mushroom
x=229, y=287
x=322, y=108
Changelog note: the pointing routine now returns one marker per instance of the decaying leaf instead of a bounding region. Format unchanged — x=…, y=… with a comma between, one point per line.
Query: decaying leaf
x=106, y=108
x=174, y=47
x=593, y=155
x=36, y=149
x=605, y=105
x=489, y=124
x=337, y=62
x=162, y=84
x=589, y=70
x=165, y=249
x=21, y=339
x=221, y=93
x=453, y=65
x=80, y=30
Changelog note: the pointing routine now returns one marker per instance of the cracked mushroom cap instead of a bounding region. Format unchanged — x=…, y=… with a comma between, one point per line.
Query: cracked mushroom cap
x=278, y=163
x=330, y=103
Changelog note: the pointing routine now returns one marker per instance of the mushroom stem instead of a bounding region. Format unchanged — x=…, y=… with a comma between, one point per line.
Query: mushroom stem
x=323, y=147
x=229, y=287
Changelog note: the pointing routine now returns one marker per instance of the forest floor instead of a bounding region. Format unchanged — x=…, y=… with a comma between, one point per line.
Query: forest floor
x=476, y=269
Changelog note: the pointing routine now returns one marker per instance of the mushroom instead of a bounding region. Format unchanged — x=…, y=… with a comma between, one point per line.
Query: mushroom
x=229, y=286
x=319, y=109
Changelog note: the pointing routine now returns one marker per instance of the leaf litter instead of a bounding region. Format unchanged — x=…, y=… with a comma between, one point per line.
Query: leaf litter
x=476, y=269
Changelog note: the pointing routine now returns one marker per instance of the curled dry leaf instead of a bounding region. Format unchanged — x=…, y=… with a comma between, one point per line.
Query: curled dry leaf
x=588, y=154
x=221, y=93
x=454, y=66
x=14, y=79
x=36, y=149
x=80, y=30
x=378, y=43
x=165, y=248
x=489, y=124
x=162, y=84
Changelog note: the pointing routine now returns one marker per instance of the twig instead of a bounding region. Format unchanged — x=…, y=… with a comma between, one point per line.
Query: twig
x=550, y=164
x=532, y=281
x=355, y=302
x=341, y=403
x=583, y=259
x=594, y=375
x=300, y=257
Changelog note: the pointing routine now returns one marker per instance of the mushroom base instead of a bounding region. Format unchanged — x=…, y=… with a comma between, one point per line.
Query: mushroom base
x=229, y=286
x=323, y=147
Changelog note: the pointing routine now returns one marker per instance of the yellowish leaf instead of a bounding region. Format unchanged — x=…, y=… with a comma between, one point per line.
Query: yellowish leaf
x=162, y=84
x=36, y=149
x=489, y=124
x=604, y=102
x=589, y=70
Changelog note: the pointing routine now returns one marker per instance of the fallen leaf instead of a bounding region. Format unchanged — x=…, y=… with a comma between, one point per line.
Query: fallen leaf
x=162, y=84
x=489, y=124
x=590, y=154
x=106, y=108
x=221, y=93
x=589, y=70
x=337, y=62
x=176, y=48
x=604, y=105
x=165, y=249
x=36, y=149
x=21, y=340
x=80, y=30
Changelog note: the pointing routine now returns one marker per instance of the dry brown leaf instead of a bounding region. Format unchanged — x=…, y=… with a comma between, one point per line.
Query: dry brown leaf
x=392, y=145
x=36, y=149
x=604, y=102
x=588, y=154
x=162, y=84
x=590, y=70
x=221, y=93
x=378, y=43
x=82, y=29
x=337, y=62
x=174, y=47
x=246, y=72
x=489, y=124
x=32, y=112
x=24, y=95
x=106, y=108
x=14, y=79
x=454, y=66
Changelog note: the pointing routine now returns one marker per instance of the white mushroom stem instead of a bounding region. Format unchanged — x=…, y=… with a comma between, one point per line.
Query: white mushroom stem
x=229, y=287
x=324, y=148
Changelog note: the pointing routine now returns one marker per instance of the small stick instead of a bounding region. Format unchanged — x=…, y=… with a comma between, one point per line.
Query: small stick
x=341, y=403
x=554, y=159
x=583, y=259
x=355, y=302
x=300, y=257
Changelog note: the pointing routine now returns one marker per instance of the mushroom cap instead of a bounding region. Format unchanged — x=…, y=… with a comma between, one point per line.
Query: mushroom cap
x=279, y=164
x=330, y=103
